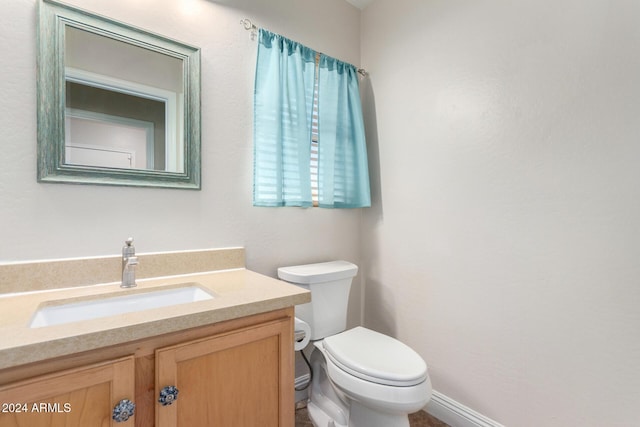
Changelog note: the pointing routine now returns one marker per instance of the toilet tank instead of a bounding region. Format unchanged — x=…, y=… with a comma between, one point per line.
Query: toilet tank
x=329, y=283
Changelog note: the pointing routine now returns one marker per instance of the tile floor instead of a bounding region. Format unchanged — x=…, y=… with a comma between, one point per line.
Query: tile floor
x=419, y=419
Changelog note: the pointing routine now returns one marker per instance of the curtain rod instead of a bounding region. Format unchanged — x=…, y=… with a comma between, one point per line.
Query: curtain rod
x=249, y=26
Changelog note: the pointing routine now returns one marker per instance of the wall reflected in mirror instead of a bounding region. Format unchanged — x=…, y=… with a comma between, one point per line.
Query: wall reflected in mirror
x=123, y=106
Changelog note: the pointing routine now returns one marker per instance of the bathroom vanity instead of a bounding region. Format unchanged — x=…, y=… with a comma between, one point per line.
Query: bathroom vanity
x=229, y=357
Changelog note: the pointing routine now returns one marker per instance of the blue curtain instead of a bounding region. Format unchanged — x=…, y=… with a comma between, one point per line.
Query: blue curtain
x=283, y=99
x=283, y=107
x=343, y=168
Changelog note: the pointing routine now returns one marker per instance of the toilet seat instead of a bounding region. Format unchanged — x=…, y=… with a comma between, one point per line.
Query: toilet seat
x=374, y=357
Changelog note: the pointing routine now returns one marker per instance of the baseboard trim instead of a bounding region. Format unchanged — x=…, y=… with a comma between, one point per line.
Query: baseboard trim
x=456, y=414
x=302, y=380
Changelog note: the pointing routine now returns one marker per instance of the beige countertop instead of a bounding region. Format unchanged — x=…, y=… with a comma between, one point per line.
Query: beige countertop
x=238, y=293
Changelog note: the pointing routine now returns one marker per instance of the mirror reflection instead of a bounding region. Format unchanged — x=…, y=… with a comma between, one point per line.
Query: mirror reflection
x=123, y=104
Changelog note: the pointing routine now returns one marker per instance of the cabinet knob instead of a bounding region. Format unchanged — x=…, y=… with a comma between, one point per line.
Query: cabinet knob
x=168, y=395
x=124, y=410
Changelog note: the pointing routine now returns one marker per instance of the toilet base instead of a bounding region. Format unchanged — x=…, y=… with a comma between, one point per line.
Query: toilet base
x=325, y=407
x=360, y=416
x=328, y=406
x=319, y=418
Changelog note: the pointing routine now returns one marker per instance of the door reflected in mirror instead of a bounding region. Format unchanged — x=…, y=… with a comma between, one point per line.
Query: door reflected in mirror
x=123, y=103
x=131, y=103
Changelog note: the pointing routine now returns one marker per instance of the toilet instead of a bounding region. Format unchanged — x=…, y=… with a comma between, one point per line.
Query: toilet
x=361, y=378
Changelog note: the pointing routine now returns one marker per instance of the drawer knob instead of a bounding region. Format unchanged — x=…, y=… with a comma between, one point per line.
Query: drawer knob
x=124, y=410
x=168, y=395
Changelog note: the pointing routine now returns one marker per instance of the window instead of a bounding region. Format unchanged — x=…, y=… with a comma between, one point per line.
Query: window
x=309, y=144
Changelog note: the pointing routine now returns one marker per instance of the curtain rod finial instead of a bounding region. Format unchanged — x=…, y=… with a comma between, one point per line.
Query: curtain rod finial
x=248, y=25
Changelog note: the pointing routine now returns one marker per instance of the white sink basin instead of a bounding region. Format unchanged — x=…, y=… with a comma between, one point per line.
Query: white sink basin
x=55, y=314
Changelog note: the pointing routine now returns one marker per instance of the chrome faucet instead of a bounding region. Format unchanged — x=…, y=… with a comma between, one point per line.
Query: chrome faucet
x=129, y=262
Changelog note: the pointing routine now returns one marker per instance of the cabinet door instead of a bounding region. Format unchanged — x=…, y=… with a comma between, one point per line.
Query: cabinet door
x=82, y=397
x=238, y=379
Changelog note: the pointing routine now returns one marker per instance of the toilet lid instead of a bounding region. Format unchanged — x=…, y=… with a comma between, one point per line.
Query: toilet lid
x=375, y=357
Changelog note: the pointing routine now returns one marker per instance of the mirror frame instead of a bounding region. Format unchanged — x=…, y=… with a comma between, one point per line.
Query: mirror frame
x=52, y=19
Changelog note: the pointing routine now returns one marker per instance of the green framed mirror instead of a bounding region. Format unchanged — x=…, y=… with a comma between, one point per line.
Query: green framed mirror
x=117, y=105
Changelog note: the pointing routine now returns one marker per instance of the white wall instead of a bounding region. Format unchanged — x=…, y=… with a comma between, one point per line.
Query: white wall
x=43, y=221
x=503, y=243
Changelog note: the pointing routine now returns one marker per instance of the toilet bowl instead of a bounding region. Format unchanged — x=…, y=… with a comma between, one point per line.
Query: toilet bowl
x=361, y=378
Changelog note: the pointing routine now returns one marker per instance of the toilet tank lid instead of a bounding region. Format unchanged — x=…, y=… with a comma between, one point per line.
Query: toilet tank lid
x=318, y=273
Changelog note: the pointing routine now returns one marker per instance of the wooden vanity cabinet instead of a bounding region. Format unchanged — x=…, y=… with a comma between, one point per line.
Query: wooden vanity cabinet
x=79, y=397
x=235, y=373
x=232, y=379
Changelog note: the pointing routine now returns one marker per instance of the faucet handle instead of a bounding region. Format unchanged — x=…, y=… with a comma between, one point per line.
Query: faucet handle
x=128, y=249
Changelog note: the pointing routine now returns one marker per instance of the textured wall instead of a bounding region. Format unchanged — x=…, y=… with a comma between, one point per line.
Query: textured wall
x=44, y=221
x=503, y=242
